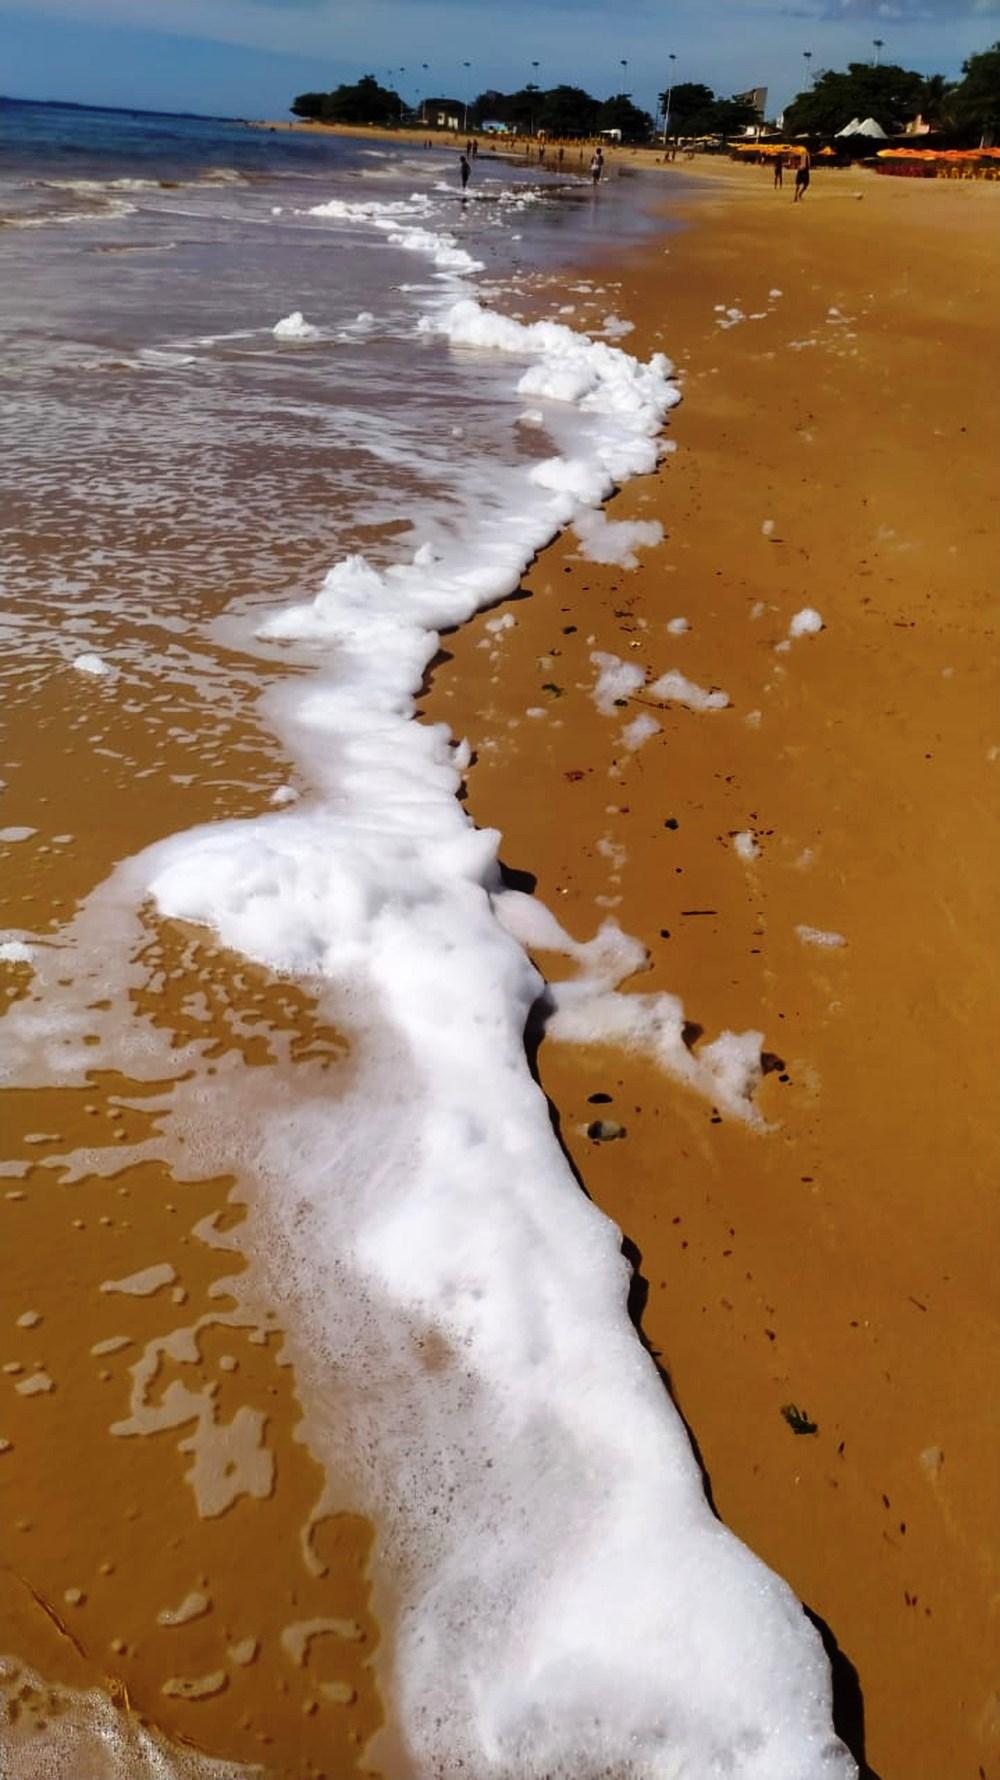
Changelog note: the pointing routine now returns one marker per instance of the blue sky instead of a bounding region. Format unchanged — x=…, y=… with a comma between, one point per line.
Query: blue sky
x=249, y=57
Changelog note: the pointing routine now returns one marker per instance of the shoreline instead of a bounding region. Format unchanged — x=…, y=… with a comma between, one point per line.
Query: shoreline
x=616, y=605
x=838, y=1265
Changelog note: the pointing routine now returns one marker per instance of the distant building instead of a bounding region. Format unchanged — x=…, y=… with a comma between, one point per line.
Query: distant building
x=755, y=96
x=492, y=126
x=442, y=114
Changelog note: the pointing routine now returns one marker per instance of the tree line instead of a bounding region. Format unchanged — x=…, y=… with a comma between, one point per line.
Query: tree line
x=968, y=108
x=893, y=96
x=560, y=111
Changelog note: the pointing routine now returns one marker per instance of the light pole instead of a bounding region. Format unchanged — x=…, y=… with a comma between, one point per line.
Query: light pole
x=423, y=102
x=879, y=45
x=401, y=99
x=465, y=102
x=531, y=115
x=624, y=67
x=807, y=57
x=671, y=58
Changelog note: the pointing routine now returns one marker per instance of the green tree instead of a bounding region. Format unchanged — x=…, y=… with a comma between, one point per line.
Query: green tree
x=935, y=103
x=891, y=95
x=490, y=104
x=730, y=117
x=975, y=101
x=690, y=101
x=309, y=104
x=567, y=111
x=619, y=113
x=363, y=103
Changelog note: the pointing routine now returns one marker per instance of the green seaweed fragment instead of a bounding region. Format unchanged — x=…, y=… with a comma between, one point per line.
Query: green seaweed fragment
x=798, y=1420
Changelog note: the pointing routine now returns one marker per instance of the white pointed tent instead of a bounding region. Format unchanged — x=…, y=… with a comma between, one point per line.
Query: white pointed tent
x=868, y=128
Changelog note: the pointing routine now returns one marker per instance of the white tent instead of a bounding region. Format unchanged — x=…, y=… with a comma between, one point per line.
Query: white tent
x=868, y=128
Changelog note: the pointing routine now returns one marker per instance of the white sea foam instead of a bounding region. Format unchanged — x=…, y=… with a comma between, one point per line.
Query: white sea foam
x=677, y=627
x=807, y=623
x=15, y=951
x=87, y=1734
x=441, y=248
x=678, y=690
x=615, y=328
x=615, y=541
x=616, y=680
x=818, y=936
x=94, y=665
x=639, y=730
x=295, y=327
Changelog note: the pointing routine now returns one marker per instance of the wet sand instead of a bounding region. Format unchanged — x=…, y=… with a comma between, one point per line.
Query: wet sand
x=841, y=1262
x=160, y=1538
x=821, y=1296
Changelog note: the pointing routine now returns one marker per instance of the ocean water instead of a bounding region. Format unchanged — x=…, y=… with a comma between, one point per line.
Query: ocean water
x=282, y=411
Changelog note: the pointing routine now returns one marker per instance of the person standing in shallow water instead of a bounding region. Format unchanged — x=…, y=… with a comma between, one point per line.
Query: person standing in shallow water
x=464, y=170
x=802, y=177
x=596, y=167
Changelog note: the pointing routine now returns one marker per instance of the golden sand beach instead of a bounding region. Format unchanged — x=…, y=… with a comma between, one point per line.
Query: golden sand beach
x=816, y=859
x=833, y=452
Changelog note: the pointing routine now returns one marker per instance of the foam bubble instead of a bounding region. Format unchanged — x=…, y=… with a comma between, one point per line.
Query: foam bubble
x=806, y=623
x=91, y=664
x=818, y=936
x=615, y=541
x=614, y=327
x=295, y=327
x=616, y=680
x=89, y=1733
x=677, y=690
x=639, y=730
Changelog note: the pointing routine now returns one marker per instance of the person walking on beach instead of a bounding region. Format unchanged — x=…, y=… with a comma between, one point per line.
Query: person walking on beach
x=596, y=167
x=779, y=172
x=464, y=170
x=802, y=177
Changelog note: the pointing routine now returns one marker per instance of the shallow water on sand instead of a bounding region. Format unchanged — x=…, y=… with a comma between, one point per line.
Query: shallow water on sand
x=298, y=1265
x=176, y=462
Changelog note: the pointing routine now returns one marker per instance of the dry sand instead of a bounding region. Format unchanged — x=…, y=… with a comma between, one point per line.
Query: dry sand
x=841, y=1262
x=835, y=453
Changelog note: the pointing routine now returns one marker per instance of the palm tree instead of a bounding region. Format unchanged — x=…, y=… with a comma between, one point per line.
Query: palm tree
x=934, y=105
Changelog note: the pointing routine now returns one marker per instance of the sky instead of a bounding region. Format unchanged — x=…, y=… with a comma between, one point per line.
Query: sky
x=248, y=58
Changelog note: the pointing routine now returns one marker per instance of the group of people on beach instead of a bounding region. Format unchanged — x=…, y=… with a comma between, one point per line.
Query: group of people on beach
x=802, y=166
x=471, y=150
